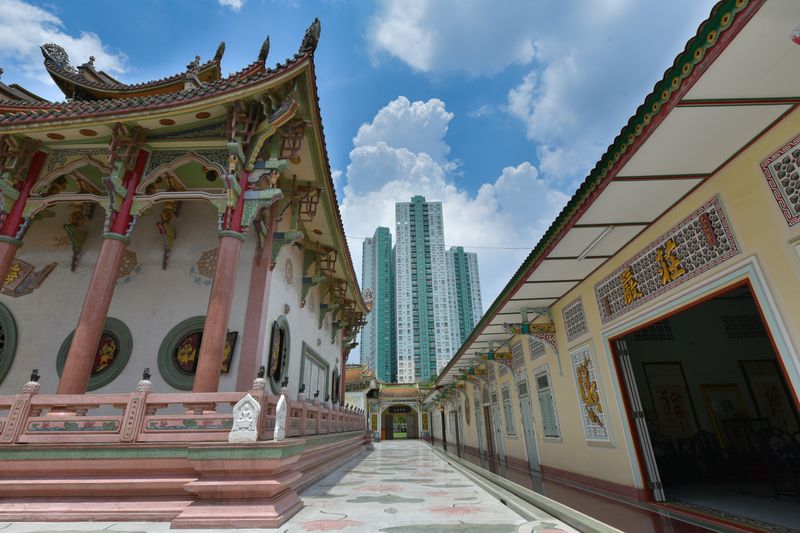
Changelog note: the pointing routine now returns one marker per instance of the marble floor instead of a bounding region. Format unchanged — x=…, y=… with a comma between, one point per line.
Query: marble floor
x=400, y=487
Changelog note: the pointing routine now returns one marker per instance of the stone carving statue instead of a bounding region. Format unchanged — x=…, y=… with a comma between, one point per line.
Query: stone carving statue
x=245, y=420
x=280, y=419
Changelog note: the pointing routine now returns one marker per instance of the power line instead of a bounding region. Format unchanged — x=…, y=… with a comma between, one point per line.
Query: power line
x=465, y=245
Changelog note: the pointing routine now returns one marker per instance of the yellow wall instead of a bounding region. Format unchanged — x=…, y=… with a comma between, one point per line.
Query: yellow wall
x=761, y=231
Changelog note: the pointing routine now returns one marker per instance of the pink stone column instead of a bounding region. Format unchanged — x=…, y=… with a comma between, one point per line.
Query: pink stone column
x=82, y=351
x=13, y=220
x=212, y=347
x=255, y=324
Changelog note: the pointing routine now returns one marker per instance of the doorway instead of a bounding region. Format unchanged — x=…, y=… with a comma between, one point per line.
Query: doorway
x=400, y=422
x=716, y=418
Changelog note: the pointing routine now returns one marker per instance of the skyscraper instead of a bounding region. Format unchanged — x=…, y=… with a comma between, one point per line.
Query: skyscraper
x=426, y=337
x=377, y=337
x=464, y=288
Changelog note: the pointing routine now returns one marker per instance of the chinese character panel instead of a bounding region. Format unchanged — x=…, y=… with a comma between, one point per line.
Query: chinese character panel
x=700, y=242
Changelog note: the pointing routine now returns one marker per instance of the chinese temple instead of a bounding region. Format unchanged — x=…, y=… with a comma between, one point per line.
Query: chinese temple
x=642, y=366
x=178, y=301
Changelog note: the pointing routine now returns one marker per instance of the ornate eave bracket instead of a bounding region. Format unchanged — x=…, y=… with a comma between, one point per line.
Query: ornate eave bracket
x=281, y=239
x=543, y=331
x=324, y=309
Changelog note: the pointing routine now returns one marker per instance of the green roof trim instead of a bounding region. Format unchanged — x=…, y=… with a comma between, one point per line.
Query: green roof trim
x=723, y=15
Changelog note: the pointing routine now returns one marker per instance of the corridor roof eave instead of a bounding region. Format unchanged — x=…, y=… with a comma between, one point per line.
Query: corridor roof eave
x=716, y=99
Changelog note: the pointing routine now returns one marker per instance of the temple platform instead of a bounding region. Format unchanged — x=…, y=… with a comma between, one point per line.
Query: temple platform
x=400, y=486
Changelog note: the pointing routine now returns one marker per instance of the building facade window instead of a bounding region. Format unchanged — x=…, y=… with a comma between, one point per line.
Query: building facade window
x=113, y=352
x=547, y=403
x=508, y=413
x=278, y=358
x=314, y=372
x=8, y=340
x=178, y=353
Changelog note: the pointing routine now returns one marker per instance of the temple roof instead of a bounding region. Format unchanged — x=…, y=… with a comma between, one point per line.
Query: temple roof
x=93, y=93
x=18, y=93
x=86, y=83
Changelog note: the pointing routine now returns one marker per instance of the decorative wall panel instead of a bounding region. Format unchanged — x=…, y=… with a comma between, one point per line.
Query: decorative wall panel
x=594, y=419
x=782, y=170
x=700, y=242
x=574, y=320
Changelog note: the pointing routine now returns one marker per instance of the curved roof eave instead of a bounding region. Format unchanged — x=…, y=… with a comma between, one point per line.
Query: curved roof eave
x=727, y=18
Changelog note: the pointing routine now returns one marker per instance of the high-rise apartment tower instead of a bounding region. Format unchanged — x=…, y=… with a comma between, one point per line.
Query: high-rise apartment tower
x=377, y=337
x=464, y=288
x=426, y=337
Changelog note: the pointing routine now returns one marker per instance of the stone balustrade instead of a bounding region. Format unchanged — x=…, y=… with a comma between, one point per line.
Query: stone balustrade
x=144, y=416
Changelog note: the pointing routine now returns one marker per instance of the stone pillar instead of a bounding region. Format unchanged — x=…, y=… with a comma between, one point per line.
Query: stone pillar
x=212, y=347
x=256, y=328
x=9, y=238
x=82, y=351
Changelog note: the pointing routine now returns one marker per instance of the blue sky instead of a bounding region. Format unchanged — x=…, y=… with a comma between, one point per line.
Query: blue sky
x=498, y=109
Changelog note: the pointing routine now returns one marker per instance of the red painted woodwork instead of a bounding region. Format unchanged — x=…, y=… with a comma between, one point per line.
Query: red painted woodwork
x=14, y=218
x=132, y=178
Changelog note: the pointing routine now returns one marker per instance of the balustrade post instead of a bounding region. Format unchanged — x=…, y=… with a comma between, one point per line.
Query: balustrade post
x=20, y=411
x=135, y=411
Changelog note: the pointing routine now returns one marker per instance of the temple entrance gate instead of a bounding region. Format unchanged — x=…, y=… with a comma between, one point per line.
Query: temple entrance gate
x=399, y=422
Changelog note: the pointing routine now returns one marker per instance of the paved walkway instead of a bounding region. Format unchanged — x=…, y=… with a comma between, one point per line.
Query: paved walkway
x=400, y=487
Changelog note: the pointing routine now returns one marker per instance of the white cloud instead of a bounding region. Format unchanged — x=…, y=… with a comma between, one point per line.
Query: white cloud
x=589, y=62
x=235, y=5
x=510, y=210
x=418, y=127
x=25, y=27
x=479, y=37
x=482, y=111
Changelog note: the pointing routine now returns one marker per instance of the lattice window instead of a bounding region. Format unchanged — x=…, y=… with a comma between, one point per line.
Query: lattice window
x=574, y=320
x=503, y=369
x=490, y=376
x=518, y=355
x=743, y=326
x=536, y=347
x=659, y=331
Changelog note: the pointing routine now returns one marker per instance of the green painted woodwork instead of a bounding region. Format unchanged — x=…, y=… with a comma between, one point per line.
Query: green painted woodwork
x=118, y=330
x=721, y=19
x=166, y=362
x=8, y=340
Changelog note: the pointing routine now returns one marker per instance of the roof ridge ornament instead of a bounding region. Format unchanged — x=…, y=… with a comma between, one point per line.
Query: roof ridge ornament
x=264, y=52
x=220, y=52
x=311, y=38
x=57, y=55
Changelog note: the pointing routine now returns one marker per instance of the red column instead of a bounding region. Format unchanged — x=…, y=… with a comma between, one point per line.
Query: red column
x=212, y=347
x=13, y=221
x=80, y=358
x=255, y=324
